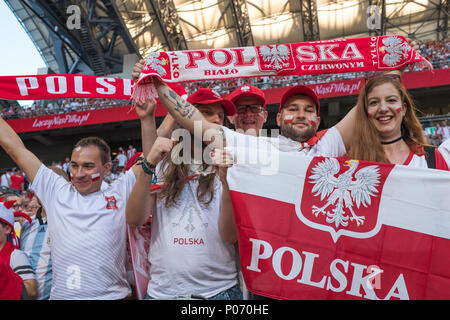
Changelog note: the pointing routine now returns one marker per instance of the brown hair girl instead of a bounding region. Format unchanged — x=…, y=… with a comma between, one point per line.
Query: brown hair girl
x=367, y=143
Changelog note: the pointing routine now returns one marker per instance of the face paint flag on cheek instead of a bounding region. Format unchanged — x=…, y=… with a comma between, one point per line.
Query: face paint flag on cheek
x=95, y=176
x=288, y=118
x=398, y=109
x=312, y=122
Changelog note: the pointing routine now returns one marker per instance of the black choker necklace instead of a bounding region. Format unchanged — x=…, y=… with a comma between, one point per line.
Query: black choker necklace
x=393, y=141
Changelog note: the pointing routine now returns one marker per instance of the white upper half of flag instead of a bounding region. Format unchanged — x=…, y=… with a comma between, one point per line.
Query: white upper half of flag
x=413, y=199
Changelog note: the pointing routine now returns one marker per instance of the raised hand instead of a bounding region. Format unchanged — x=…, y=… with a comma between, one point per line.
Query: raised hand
x=221, y=160
x=146, y=110
x=137, y=70
x=160, y=149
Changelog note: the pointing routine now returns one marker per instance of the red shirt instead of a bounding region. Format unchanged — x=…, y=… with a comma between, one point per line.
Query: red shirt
x=16, y=181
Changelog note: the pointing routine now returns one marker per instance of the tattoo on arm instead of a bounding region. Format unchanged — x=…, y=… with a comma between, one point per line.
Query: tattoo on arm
x=184, y=108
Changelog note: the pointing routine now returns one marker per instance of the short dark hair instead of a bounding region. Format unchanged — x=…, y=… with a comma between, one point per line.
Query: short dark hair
x=302, y=95
x=103, y=147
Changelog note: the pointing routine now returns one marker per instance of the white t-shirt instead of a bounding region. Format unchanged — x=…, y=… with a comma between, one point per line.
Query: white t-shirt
x=87, y=237
x=445, y=132
x=444, y=149
x=122, y=160
x=330, y=145
x=187, y=254
x=130, y=153
x=5, y=180
x=416, y=161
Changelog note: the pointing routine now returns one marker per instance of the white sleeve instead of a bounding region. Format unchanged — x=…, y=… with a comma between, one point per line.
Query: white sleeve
x=125, y=183
x=240, y=140
x=21, y=265
x=330, y=145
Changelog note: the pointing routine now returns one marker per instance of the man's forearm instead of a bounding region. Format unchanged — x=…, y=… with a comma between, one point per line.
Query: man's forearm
x=148, y=134
x=167, y=126
x=182, y=111
x=139, y=203
x=227, y=225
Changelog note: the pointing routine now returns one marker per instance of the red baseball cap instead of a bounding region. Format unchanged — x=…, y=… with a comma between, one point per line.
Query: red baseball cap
x=179, y=89
x=208, y=96
x=300, y=89
x=248, y=91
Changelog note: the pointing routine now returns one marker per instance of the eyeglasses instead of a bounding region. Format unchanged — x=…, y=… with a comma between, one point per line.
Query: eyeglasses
x=17, y=206
x=254, y=108
x=32, y=207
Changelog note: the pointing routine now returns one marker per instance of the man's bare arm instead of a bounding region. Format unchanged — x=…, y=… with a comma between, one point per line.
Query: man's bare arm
x=166, y=128
x=182, y=111
x=14, y=147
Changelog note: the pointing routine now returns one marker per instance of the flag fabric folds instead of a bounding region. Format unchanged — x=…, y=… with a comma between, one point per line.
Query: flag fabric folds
x=335, y=228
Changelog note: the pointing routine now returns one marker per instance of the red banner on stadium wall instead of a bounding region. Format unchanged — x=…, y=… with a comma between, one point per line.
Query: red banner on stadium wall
x=10, y=90
x=330, y=228
x=81, y=118
x=411, y=80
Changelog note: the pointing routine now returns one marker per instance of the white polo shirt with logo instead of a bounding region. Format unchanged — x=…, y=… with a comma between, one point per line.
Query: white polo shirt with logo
x=87, y=237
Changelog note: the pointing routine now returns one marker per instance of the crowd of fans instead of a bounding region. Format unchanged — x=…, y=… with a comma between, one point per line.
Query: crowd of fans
x=437, y=52
x=86, y=204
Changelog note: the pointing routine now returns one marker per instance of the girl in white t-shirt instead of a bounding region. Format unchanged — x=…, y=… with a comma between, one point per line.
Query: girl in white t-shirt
x=386, y=126
x=187, y=255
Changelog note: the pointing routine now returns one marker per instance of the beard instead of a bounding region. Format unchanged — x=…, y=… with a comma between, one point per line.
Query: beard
x=300, y=135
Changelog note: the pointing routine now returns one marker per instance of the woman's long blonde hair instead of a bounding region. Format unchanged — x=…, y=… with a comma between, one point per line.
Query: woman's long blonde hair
x=175, y=178
x=366, y=141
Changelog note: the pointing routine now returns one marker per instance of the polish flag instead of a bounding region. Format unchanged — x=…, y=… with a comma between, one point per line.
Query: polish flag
x=334, y=228
x=288, y=118
x=95, y=176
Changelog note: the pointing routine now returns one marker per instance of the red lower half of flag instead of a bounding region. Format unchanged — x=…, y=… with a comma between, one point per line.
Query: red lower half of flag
x=283, y=258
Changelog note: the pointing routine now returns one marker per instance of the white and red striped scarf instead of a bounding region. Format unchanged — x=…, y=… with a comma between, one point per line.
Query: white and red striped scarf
x=319, y=57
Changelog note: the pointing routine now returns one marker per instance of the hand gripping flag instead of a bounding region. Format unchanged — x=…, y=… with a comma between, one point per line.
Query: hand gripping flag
x=334, y=228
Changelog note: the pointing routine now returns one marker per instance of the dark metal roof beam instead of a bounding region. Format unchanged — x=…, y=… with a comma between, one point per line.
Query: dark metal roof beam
x=242, y=23
x=168, y=21
x=442, y=20
x=310, y=20
x=114, y=18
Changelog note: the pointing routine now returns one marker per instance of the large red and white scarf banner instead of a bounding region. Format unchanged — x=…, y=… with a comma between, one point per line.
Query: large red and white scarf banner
x=333, y=228
x=58, y=86
x=319, y=57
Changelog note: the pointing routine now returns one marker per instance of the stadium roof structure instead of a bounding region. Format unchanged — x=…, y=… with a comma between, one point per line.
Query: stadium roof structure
x=109, y=29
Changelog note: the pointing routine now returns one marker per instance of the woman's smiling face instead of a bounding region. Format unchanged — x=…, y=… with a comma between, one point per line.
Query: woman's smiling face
x=386, y=110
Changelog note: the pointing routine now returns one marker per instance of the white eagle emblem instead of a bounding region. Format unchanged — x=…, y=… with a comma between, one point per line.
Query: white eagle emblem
x=275, y=56
x=245, y=88
x=153, y=62
x=349, y=188
x=396, y=49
